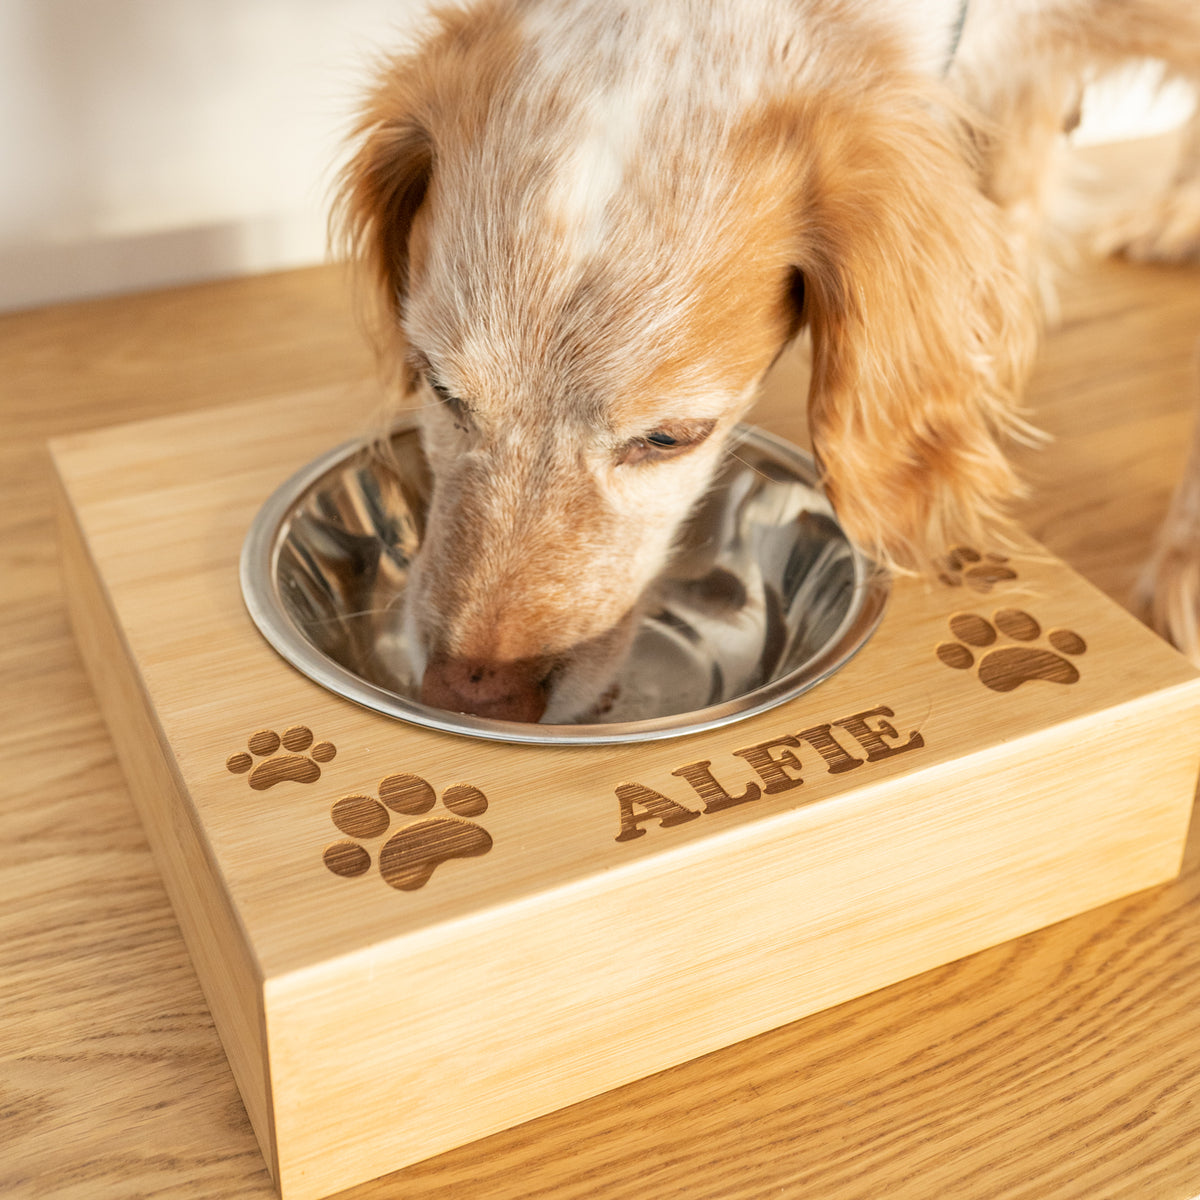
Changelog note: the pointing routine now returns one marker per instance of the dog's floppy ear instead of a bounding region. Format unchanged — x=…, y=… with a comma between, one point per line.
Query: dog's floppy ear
x=380, y=191
x=923, y=329
x=422, y=100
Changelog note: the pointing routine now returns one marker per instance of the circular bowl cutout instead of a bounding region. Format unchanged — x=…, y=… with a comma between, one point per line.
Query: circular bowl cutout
x=765, y=598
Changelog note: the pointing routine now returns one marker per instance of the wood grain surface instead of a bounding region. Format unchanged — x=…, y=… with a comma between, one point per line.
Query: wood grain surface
x=936, y=816
x=1063, y=1064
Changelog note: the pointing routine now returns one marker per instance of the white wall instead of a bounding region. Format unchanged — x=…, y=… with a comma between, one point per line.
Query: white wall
x=150, y=142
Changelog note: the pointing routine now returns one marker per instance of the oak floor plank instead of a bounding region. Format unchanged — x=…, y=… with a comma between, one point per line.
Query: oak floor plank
x=1065, y=1064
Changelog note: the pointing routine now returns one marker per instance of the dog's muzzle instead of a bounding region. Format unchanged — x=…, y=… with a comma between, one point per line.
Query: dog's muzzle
x=508, y=691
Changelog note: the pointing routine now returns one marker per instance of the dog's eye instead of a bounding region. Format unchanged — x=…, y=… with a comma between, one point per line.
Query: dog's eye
x=667, y=441
x=458, y=409
x=439, y=389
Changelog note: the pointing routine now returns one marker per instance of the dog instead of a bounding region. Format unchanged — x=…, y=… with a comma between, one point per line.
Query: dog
x=591, y=226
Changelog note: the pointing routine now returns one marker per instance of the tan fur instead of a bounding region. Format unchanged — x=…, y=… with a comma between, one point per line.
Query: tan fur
x=593, y=224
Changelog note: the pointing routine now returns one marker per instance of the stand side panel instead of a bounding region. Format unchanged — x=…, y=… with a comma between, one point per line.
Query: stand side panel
x=391, y=1055
x=224, y=966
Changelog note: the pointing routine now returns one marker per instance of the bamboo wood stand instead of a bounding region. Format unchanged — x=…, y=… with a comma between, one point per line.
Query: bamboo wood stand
x=1010, y=749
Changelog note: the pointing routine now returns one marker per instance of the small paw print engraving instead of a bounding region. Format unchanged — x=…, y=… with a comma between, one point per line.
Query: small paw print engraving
x=295, y=766
x=979, y=572
x=409, y=857
x=1006, y=668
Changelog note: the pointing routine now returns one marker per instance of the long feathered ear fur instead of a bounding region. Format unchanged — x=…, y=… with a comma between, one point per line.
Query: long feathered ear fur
x=419, y=97
x=380, y=191
x=923, y=329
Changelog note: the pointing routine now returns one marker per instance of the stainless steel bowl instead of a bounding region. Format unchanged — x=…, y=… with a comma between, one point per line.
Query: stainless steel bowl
x=765, y=599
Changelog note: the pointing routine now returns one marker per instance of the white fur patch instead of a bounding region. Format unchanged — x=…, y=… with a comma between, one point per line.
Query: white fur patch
x=591, y=174
x=631, y=74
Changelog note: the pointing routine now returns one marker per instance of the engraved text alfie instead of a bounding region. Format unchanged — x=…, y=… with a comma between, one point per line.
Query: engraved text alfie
x=776, y=764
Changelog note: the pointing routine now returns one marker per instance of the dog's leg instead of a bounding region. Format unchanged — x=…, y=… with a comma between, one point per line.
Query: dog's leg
x=1017, y=120
x=1023, y=70
x=1167, y=596
x=1167, y=229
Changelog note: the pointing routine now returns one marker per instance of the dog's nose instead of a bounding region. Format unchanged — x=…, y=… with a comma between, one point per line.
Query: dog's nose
x=508, y=691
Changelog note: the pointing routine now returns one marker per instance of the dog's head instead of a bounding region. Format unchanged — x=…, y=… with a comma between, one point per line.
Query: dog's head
x=591, y=239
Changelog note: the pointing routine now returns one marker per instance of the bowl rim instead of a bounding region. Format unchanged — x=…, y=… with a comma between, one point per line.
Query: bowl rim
x=258, y=577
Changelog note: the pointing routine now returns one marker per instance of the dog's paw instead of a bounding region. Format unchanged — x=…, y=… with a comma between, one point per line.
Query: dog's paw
x=1167, y=597
x=1166, y=231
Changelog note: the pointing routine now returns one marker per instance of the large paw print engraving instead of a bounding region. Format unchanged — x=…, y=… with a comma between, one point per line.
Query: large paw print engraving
x=295, y=766
x=1006, y=668
x=979, y=572
x=409, y=857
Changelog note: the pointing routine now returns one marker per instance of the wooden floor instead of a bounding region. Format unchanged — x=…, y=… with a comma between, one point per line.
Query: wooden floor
x=1065, y=1064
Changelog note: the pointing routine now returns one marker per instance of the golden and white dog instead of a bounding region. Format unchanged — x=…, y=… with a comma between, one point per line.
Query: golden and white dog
x=594, y=224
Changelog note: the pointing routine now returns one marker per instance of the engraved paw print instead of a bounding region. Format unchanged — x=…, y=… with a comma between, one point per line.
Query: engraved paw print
x=408, y=858
x=296, y=765
x=1007, y=667
x=980, y=572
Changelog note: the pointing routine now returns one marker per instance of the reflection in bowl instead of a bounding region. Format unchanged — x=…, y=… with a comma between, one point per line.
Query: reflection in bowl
x=765, y=598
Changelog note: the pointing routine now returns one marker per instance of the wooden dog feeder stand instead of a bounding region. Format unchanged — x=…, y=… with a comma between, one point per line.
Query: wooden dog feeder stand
x=411, y=939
